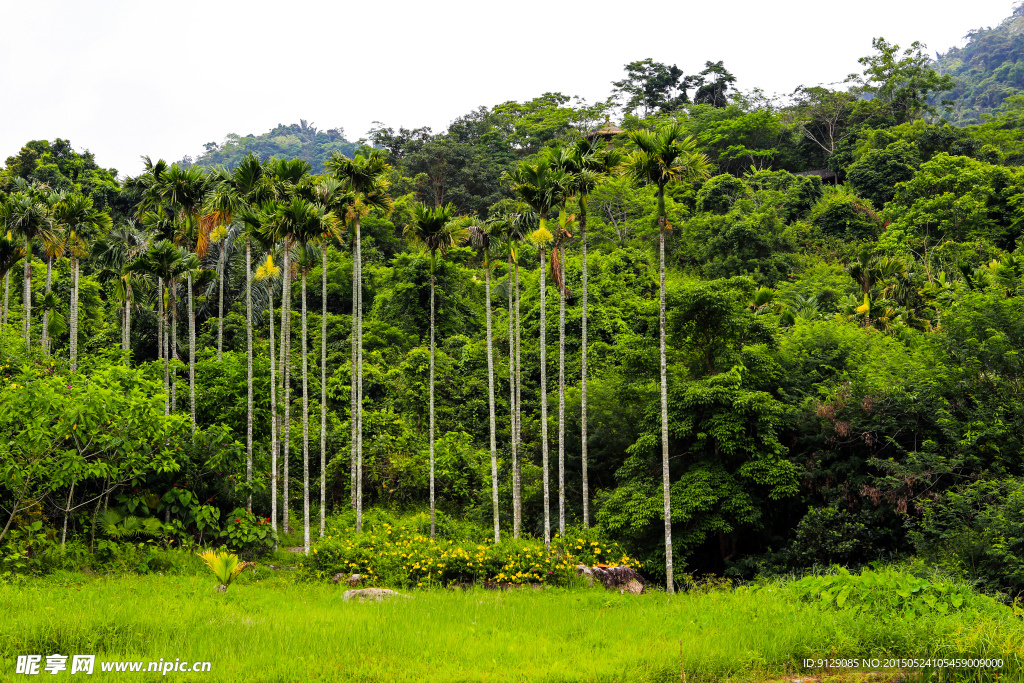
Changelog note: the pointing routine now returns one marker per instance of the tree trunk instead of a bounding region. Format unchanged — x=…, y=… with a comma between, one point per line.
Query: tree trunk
x=248, y=364
x=192, y=356
x=7, y=294
x=220, y=299
x=26, y=304
x=74, y=315
x=128, y=316
x=353, y=410
x=669, y=581
x=67, y=511
x=359, y=388
x=160, y=312
x=164, y=347
x=431, y=397
x=305, y=419
x=583, y=373
x=273, y=415
x=512, y=397
x=561, y=391
x=518, y=475
x=174, y=343
x=544, y=405
x=46, y=311
x=286, y=343
x=323, y=391
x=490, y=400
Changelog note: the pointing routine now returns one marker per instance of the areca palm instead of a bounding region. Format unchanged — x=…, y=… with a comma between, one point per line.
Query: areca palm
x=332, y=195
x=284, y=176
x=662, y=157
x=305, y=222
x=268, y=273
x=26, y=213
x=186, y=190
x=513, y=228
x=114, y=253
x=480, y=237
x=163, y=261
x=234, y=194
x=542, y=185
x=366, y=178
x=435, y=230
x=11, y=252
x=80, y=221
x=588, y=163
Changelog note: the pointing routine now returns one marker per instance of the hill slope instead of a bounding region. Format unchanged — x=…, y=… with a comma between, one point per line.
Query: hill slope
x=300, y=140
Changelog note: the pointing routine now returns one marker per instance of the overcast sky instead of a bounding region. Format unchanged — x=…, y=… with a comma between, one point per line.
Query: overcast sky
x=130, y=77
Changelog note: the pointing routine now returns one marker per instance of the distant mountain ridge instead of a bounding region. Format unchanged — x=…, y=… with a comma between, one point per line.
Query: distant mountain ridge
x=302, y=140
x=988, y=69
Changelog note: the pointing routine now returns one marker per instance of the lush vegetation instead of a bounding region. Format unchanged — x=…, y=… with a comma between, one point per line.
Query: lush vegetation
x=734, y=336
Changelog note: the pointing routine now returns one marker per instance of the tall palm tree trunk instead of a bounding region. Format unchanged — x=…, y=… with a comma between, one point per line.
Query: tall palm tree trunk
x=323, y=391
x=160, y=322
x=273, y=415
x=518, y=481
x=432, y=396
x=359, y=388
x=74, y=314
x=512, y=407
x=544, y=406
x=286, y=343
x=220, y=300
x=669, y=581
x=7, y=294
x=305, y=419
x=354, y=411
x=174, y=343
x=26, y=320
x=46, y=312
x=248, y=364
x=583, y=375
x=561, y=390
x=490, y=401
x=191, y=355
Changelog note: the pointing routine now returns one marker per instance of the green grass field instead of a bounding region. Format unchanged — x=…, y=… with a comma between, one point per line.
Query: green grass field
x=269, y=627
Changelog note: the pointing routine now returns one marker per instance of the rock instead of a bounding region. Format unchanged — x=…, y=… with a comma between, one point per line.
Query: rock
x=613, y=577
x=353, y=580
x=633, y=586
x=371, y=594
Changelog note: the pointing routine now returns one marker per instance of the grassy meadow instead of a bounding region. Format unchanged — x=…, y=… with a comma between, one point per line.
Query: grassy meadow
x=269, y=626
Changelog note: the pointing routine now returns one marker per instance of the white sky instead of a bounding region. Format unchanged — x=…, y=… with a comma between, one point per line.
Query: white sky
x=130, y=77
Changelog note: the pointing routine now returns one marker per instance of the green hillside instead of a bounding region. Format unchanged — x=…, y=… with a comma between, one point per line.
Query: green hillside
x=300, y=140
x=988, y=70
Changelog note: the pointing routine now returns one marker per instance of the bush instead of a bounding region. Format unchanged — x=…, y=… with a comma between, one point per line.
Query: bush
x=402, y=555
x=841, y=213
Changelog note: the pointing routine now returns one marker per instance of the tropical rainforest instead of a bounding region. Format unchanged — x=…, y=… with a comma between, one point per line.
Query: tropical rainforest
x=732, y=334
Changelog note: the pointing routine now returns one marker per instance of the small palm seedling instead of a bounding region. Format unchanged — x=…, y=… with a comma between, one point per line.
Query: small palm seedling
x=225, y=566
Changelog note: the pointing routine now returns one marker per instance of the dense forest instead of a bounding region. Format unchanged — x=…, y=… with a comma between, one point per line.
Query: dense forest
x=797, y=326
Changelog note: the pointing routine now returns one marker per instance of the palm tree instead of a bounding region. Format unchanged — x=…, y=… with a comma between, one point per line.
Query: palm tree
x=79, y=220
x=513, y=229
x=661, y=157
x=558, y=275
x=162, y=261
x=10, y=253
x=27, y=213
x=53, y=248
x=284, y=177
x=305, y=223
x=186, y=190
x=541, y=238
x=332, y=195
x=435, y=229
x=235, y=195
x=118, y=249
x=480, y=237
x=366, y=178
x=268, y=272
x=542, y=186
x=588, y=164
